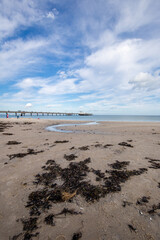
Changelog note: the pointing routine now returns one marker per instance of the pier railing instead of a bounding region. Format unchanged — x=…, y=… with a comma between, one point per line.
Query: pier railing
x=23, y=113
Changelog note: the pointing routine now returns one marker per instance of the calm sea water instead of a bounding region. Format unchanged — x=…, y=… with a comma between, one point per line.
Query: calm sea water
x=130, y=118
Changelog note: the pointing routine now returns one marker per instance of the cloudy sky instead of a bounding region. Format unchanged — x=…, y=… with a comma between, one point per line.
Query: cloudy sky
x=95, y=56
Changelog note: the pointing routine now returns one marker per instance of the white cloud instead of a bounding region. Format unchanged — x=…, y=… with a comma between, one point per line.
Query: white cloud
x=17, y=55
x=28, y=105
x=16, y=14
x=51, y=15
x=146, y=81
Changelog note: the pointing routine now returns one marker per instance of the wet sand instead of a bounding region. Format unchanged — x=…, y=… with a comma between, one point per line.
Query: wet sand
x=98, y=182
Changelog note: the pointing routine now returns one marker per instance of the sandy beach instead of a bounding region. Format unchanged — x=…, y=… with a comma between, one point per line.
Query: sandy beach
x=99, y=182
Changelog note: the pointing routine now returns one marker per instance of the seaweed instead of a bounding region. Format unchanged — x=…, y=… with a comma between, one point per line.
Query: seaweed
x=72, y=148
x=142, y=200
x=21, y=155
x=16, y=236
x=66, y=211
x=70, y=157
x=119, y=165
x=126, y=203
x=73, y=182
x=154, y=163
x=84, y=148
x=4, y=126
x=63, y=141
x=13, y=143
x=8, y=134
x=98, y=145
x=98, y=173
x=30, y=224
x=125, y=144
x=107, y=145
x=49, y=220
x=28, y=236
x=77, y=236
x=132, y=228
x=154, y=208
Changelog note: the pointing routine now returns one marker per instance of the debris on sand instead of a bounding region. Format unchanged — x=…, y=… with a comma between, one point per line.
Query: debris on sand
x=98, y=173
x=70, y=157
x=77, y=236
x=84, y=148
x=64, y=141
x=126, y=203
x=30, y=224
x=57, y=185
x=49, y=220
x=21, y=155
x=4, y=126
x=13, y=143
x=154, y=208
x=142, y=200
x=154, y=163
x=98, y=145
x=8, y=134
x=107, y=145
x=67, y=196
x=159, y=185
x=132, y=229
x=119, y=165
x=72, y=148
x=125, y=144
x=66, y=211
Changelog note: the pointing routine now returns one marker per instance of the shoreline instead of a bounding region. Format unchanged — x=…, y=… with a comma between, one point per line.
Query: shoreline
x=95, y=202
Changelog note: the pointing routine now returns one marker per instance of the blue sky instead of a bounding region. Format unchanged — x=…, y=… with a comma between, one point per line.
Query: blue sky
x=94, y=56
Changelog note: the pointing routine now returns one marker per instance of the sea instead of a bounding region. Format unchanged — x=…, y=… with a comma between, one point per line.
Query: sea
x=97, y=118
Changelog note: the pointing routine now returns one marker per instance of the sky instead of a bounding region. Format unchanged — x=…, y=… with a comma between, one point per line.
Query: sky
x=100, y=57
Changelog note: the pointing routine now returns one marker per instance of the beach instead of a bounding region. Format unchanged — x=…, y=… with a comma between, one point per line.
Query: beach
x=97, y=182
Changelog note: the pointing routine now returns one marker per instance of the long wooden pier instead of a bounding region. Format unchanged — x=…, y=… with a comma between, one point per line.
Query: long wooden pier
x=23, y=113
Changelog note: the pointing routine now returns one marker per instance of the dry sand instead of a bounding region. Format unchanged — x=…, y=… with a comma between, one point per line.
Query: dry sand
x=130, y=211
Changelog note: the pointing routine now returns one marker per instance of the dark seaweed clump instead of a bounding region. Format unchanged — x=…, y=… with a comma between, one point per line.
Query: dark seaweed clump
x=29, y=224
x=21, y=155
x=119, y=165
x=126, y=203
x=28, y=123
x=64, y=141
x=70, y=157
x=4, y=126
x=73, y=182
x=154, y=163
x=13, y=143
x=132, y=229
x=154, y=208
x=49, y=220
x=84, y=148
x=98, y=173
x=142, y=200
x=77, y=236
x=98, y=145
x=125, y=144
x=107, y=145
x=8, y=134
x=117, y=177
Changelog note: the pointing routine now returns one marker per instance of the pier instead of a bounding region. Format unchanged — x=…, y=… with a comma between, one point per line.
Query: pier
x=23, y=113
